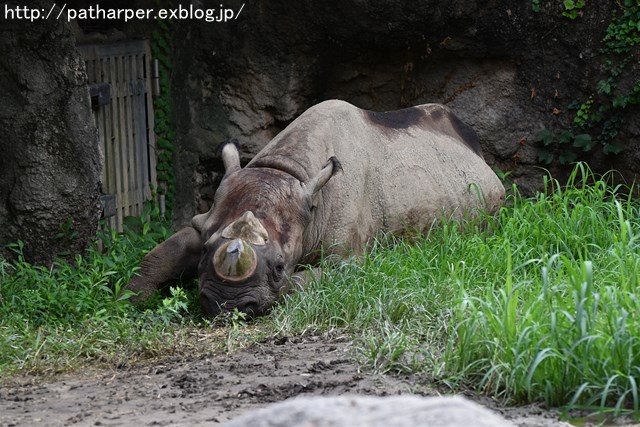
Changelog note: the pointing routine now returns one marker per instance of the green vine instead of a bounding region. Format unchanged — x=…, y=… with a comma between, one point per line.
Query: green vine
x=572, y=8
x=165, y=136
x=600, y=116
x=535, y=5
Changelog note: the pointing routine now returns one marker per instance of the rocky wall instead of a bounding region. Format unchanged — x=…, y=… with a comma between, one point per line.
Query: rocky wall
x=503, y=68
x=50, y=162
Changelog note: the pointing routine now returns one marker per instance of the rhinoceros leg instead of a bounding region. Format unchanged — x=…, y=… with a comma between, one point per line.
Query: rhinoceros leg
x=175, y=258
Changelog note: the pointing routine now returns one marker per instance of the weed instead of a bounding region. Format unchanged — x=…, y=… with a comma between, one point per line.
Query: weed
x=563, y=144
x=72, y=313
x=538, y=307
x=572, y=8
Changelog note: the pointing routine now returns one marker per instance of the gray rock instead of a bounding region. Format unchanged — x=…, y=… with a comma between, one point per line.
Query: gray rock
x=49, y=151
x=365, y=411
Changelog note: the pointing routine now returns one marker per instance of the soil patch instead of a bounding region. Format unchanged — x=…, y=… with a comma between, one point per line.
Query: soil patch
x=208, y=390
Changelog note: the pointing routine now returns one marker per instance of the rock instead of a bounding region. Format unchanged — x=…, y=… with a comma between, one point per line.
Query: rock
x=365, y=411
x=50, y=163
x=498, y=64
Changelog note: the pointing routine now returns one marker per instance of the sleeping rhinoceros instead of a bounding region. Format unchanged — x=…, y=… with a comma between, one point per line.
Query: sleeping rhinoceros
x=328, y=183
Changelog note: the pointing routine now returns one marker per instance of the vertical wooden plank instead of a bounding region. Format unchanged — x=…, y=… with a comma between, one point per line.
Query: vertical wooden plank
x=150, y=120
x=122, y=125
x=141, y=137
x=130, y=138
x=113, y=109
x=126, y=125
x=110, y=165
x=121, y=140
x=135, y=96
x=134, y=127
x=144, y=149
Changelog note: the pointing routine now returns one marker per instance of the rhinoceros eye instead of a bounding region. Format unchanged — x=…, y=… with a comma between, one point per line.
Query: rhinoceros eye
x=278, y=272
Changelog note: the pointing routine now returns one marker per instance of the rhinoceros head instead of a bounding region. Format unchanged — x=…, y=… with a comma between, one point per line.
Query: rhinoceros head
x=244, y=249
x=253, y=235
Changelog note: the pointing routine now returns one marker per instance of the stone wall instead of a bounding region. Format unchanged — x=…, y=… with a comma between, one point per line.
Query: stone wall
x=500, y=66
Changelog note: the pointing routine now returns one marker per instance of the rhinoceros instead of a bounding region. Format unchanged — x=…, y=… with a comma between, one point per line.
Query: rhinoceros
x=328, y=183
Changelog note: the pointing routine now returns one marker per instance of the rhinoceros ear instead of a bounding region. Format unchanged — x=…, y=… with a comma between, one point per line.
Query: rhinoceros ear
x=199, y=221
x=316, y=183
x=230, y=158
x=177, y=257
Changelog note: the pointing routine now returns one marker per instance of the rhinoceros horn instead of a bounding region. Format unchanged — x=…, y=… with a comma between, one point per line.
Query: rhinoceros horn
x=247, y=228
x=235, y=261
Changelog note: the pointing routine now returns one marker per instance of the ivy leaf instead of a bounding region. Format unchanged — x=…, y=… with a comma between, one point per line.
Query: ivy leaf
x=565, y=137
x=574, y=105
x=583, y=141
x=612, y=148
x=566, y=157
x=604, y=87
x=545, y=157
x=568, y=4
x=620, y=101
x=545, y=136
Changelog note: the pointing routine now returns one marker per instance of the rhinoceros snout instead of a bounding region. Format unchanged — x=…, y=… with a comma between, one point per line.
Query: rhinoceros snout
x=209, y=306
x=212, y=307
x=251, y=308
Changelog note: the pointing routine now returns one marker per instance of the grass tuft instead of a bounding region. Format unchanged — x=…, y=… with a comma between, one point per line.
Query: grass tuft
x=69, y=314
x=540, y=305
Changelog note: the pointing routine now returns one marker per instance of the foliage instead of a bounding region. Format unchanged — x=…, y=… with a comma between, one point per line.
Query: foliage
x=165, y=135
x=561, y=142
x=572, y=8
x=613, y=97
x=55, y=317
x=601, y=114
x=536, y=304
x=535, y=5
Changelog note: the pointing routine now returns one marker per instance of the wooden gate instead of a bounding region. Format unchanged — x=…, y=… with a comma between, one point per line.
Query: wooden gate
x=120, y=83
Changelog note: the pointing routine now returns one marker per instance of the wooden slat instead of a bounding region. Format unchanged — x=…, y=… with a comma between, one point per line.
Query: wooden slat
x=141, y=138
x=122, y=48
x=137, y=135
x=121, y=138
x=110, y=182
x=129, y=139
x=150, y=120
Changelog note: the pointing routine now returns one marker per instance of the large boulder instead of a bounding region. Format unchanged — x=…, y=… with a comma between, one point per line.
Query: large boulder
x=500, y=66
x=50, y=163
x=366, y=411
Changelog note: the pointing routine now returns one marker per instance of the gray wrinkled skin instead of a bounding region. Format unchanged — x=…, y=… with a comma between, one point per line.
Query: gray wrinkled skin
x=328, y=183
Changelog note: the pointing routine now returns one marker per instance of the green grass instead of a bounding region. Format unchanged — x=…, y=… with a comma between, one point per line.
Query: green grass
x=72, y=314
x=538, y=303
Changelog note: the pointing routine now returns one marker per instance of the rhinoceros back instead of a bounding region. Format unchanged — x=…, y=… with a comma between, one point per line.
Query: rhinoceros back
x=400, y=170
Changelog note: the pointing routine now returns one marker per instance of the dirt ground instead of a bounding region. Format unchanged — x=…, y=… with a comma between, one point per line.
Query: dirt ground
x=202, y=390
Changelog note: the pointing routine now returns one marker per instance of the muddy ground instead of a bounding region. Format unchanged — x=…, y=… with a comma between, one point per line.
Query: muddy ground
x=205, y=390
